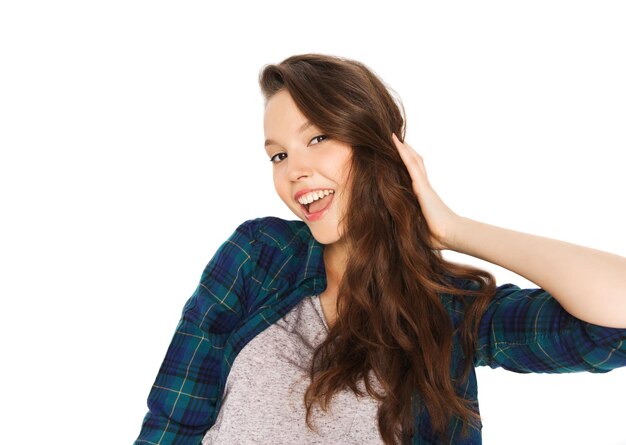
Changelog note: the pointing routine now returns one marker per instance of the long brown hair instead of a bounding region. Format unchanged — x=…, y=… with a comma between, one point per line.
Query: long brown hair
x=390, y=318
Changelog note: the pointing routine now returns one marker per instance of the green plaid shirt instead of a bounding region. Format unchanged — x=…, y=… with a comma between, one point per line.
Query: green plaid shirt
x=268, y=265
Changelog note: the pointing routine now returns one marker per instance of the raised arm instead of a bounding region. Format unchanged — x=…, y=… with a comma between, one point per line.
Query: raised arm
x=588, y=283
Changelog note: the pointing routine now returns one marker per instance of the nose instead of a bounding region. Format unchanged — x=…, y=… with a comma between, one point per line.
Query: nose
x=298, y=165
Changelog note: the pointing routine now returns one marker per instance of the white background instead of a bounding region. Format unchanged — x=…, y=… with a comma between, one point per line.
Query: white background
x=131, y=147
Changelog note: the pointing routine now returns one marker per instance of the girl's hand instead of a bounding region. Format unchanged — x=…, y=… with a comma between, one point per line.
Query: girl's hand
x=440, y=219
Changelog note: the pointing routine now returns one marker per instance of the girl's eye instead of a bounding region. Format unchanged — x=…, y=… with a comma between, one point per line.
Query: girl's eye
x=273, y=158
x=318, y=139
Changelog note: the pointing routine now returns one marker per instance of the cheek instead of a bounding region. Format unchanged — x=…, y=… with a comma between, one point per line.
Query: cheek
x=282, y=190
x=343, y=171
x=344, y=160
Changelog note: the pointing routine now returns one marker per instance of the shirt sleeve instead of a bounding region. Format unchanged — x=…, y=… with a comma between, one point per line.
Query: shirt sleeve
x=183, y=398
x=527, y=330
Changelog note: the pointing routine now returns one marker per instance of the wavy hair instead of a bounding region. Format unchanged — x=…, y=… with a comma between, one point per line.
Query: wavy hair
x=390, y=318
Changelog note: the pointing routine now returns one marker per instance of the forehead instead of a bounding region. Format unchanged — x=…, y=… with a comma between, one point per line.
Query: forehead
x=282, y=115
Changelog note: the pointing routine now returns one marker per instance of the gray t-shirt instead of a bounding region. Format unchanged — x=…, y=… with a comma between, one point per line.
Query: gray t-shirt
x=264, y=395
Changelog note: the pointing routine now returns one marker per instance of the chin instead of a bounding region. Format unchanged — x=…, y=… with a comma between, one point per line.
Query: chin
x=324, y=236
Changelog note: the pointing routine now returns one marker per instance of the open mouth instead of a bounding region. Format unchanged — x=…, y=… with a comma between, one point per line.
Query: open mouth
x=318, y=206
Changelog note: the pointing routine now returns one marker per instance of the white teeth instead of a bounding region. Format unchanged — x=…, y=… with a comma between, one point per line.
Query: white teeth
x=314, y=196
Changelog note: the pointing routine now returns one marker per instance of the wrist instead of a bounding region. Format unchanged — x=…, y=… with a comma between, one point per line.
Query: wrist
x=453, y=234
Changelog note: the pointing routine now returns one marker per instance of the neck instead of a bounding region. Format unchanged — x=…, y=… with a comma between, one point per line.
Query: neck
x=335, y=259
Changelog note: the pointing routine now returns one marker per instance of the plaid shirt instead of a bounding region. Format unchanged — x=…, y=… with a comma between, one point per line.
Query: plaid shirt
x=268, y=265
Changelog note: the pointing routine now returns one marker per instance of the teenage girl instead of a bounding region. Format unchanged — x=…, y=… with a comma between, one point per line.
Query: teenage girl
x=347, y=326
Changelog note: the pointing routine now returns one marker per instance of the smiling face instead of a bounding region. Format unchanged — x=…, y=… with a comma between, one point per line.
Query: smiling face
x=305, y=160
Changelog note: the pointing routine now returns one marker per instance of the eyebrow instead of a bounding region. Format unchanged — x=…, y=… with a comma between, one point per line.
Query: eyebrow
x=303, y=127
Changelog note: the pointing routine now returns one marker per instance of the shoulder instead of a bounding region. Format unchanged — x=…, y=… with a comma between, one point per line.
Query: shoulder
x=276, y=232
x=279, y=250
x=457, y=303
